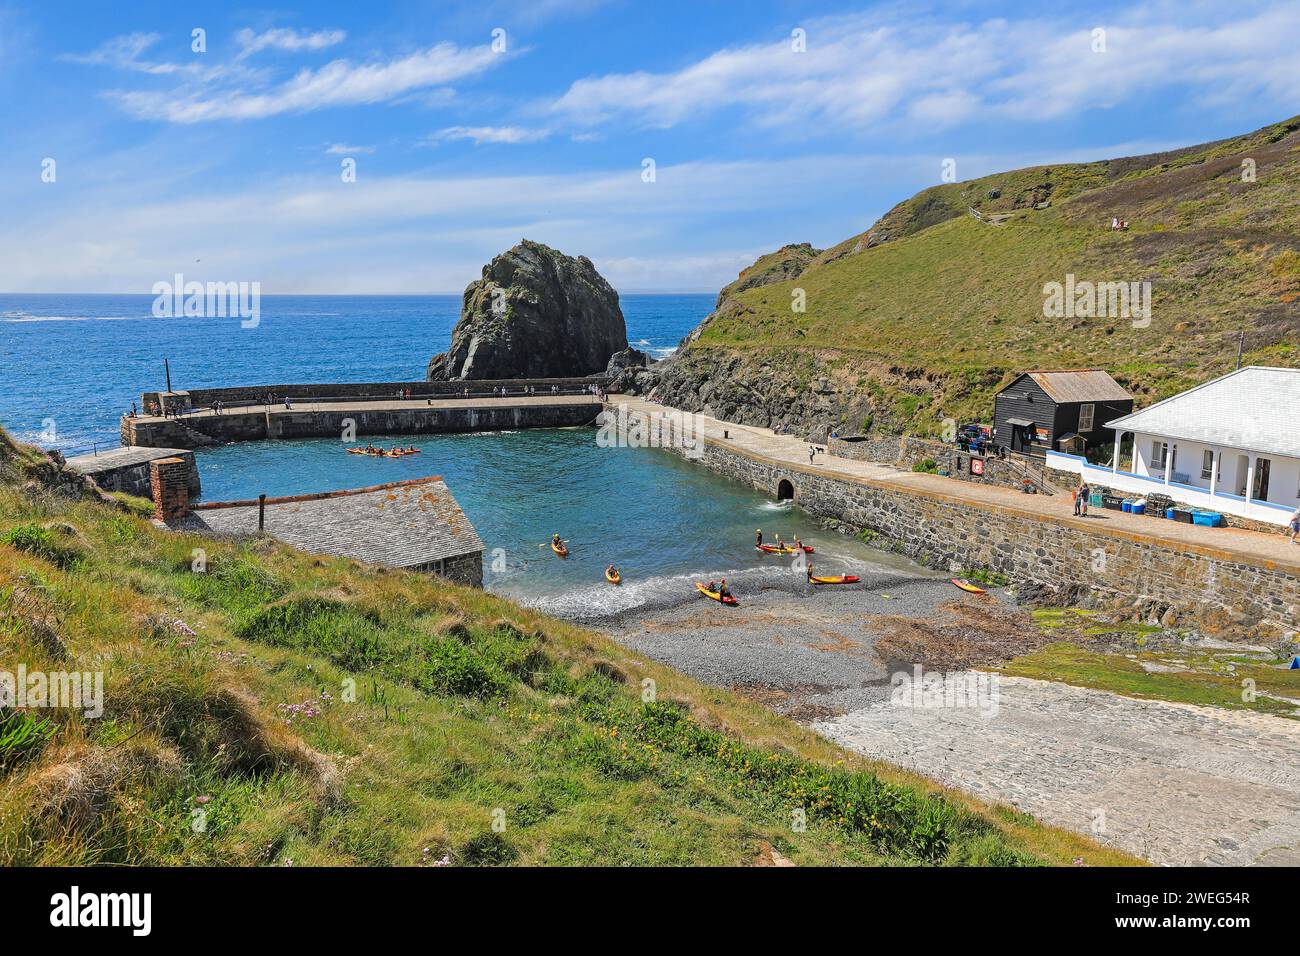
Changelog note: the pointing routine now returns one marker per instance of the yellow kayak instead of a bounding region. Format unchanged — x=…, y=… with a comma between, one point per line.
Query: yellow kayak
x=967, y=586
x=560, y=549
x=716, y=595
x=614, y=578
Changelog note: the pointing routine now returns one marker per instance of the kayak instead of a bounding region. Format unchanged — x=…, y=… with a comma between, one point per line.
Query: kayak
x=560, y=549
x=967, y=586
x=789, y=549
x=839, y=579
x=704, y=589
x=614, y=578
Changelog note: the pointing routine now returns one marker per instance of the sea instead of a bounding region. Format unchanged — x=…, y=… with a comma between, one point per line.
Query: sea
x=72, y=364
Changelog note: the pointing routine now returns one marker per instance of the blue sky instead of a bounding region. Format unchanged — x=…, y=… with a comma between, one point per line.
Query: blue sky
x=227, y=164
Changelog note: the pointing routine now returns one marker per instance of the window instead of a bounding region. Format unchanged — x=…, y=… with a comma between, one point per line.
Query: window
x=1158, y=451
x=1086, y=413
x=1207, y=464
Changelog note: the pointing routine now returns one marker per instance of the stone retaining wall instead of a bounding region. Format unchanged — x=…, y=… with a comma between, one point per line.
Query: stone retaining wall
x=902, y=451
x=1199, y=585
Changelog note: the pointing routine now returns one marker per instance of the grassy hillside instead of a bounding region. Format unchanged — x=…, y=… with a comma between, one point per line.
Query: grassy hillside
x=231, y=735
x=927, y=313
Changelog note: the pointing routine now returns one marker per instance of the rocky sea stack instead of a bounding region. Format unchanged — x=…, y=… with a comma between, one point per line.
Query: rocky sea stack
x=536, y=313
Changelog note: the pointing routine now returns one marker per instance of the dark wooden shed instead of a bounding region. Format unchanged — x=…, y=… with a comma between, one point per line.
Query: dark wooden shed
x=1038, y=409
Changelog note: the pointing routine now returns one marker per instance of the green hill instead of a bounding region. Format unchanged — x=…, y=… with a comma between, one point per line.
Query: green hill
x=266, y=707
x=927, y=313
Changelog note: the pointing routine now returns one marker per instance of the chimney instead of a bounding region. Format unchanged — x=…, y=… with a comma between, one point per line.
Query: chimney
x=169, y=478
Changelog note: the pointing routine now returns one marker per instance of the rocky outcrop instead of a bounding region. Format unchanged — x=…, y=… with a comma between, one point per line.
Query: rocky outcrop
x=535, y=313
x=808, y=398
x=788, y=262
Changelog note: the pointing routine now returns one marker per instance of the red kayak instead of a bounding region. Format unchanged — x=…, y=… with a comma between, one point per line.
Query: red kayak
x=788, y=549
x=838, y=579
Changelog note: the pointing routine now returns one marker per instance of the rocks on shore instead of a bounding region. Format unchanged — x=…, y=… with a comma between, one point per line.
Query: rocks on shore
x=535, y=313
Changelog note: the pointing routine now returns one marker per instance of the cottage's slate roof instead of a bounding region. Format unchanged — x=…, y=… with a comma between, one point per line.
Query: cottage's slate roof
x=402, y=525
x=1253, y=409
x=1079, y=385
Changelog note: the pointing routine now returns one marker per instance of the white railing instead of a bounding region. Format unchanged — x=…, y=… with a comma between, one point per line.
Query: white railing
x=1187, y=494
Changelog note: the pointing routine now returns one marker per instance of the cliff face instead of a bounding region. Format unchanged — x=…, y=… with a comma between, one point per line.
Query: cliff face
x=535, y=313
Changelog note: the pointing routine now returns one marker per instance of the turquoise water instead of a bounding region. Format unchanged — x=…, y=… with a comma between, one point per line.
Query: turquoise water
x=73, y=363
x=665, y=522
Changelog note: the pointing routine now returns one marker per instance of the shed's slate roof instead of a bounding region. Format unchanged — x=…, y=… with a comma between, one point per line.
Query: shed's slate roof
x=402, y=525
x=1253, y=409
x=122, y=457
x=1079, y=385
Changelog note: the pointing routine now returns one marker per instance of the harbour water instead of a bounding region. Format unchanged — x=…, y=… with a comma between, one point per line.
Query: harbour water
x=74, y=363
x=663, y=521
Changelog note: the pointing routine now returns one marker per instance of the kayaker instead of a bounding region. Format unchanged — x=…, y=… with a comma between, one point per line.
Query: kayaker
x=798, y=545
x=810, y=574
x=555, y=540
x=713, y=586
x=611, y=572
x=758, y=538
x=723, y=590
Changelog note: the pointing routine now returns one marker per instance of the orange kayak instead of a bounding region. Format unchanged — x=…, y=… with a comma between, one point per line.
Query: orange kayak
x=788, y=549
x=560, y=549
x=967, y=586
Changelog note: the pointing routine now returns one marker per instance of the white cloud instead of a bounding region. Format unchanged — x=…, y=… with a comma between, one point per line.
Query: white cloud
x=123, y=53
x=492, y=134
x=338, y=83
x=421, y=233
x=859, y=73
x=290, y=41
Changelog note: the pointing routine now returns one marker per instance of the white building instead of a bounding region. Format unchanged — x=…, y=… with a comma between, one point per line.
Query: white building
x=1231, y=445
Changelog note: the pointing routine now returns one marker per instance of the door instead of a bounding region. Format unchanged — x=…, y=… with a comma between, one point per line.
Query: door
x=1261, y=479
x=1243, y=469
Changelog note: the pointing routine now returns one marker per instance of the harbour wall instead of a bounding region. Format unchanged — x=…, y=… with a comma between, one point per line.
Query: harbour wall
x=352, y=391
x=198, y=431
x=1209, y=588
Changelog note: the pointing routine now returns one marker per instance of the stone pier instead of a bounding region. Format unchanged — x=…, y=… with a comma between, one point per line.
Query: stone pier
x=333, y=419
